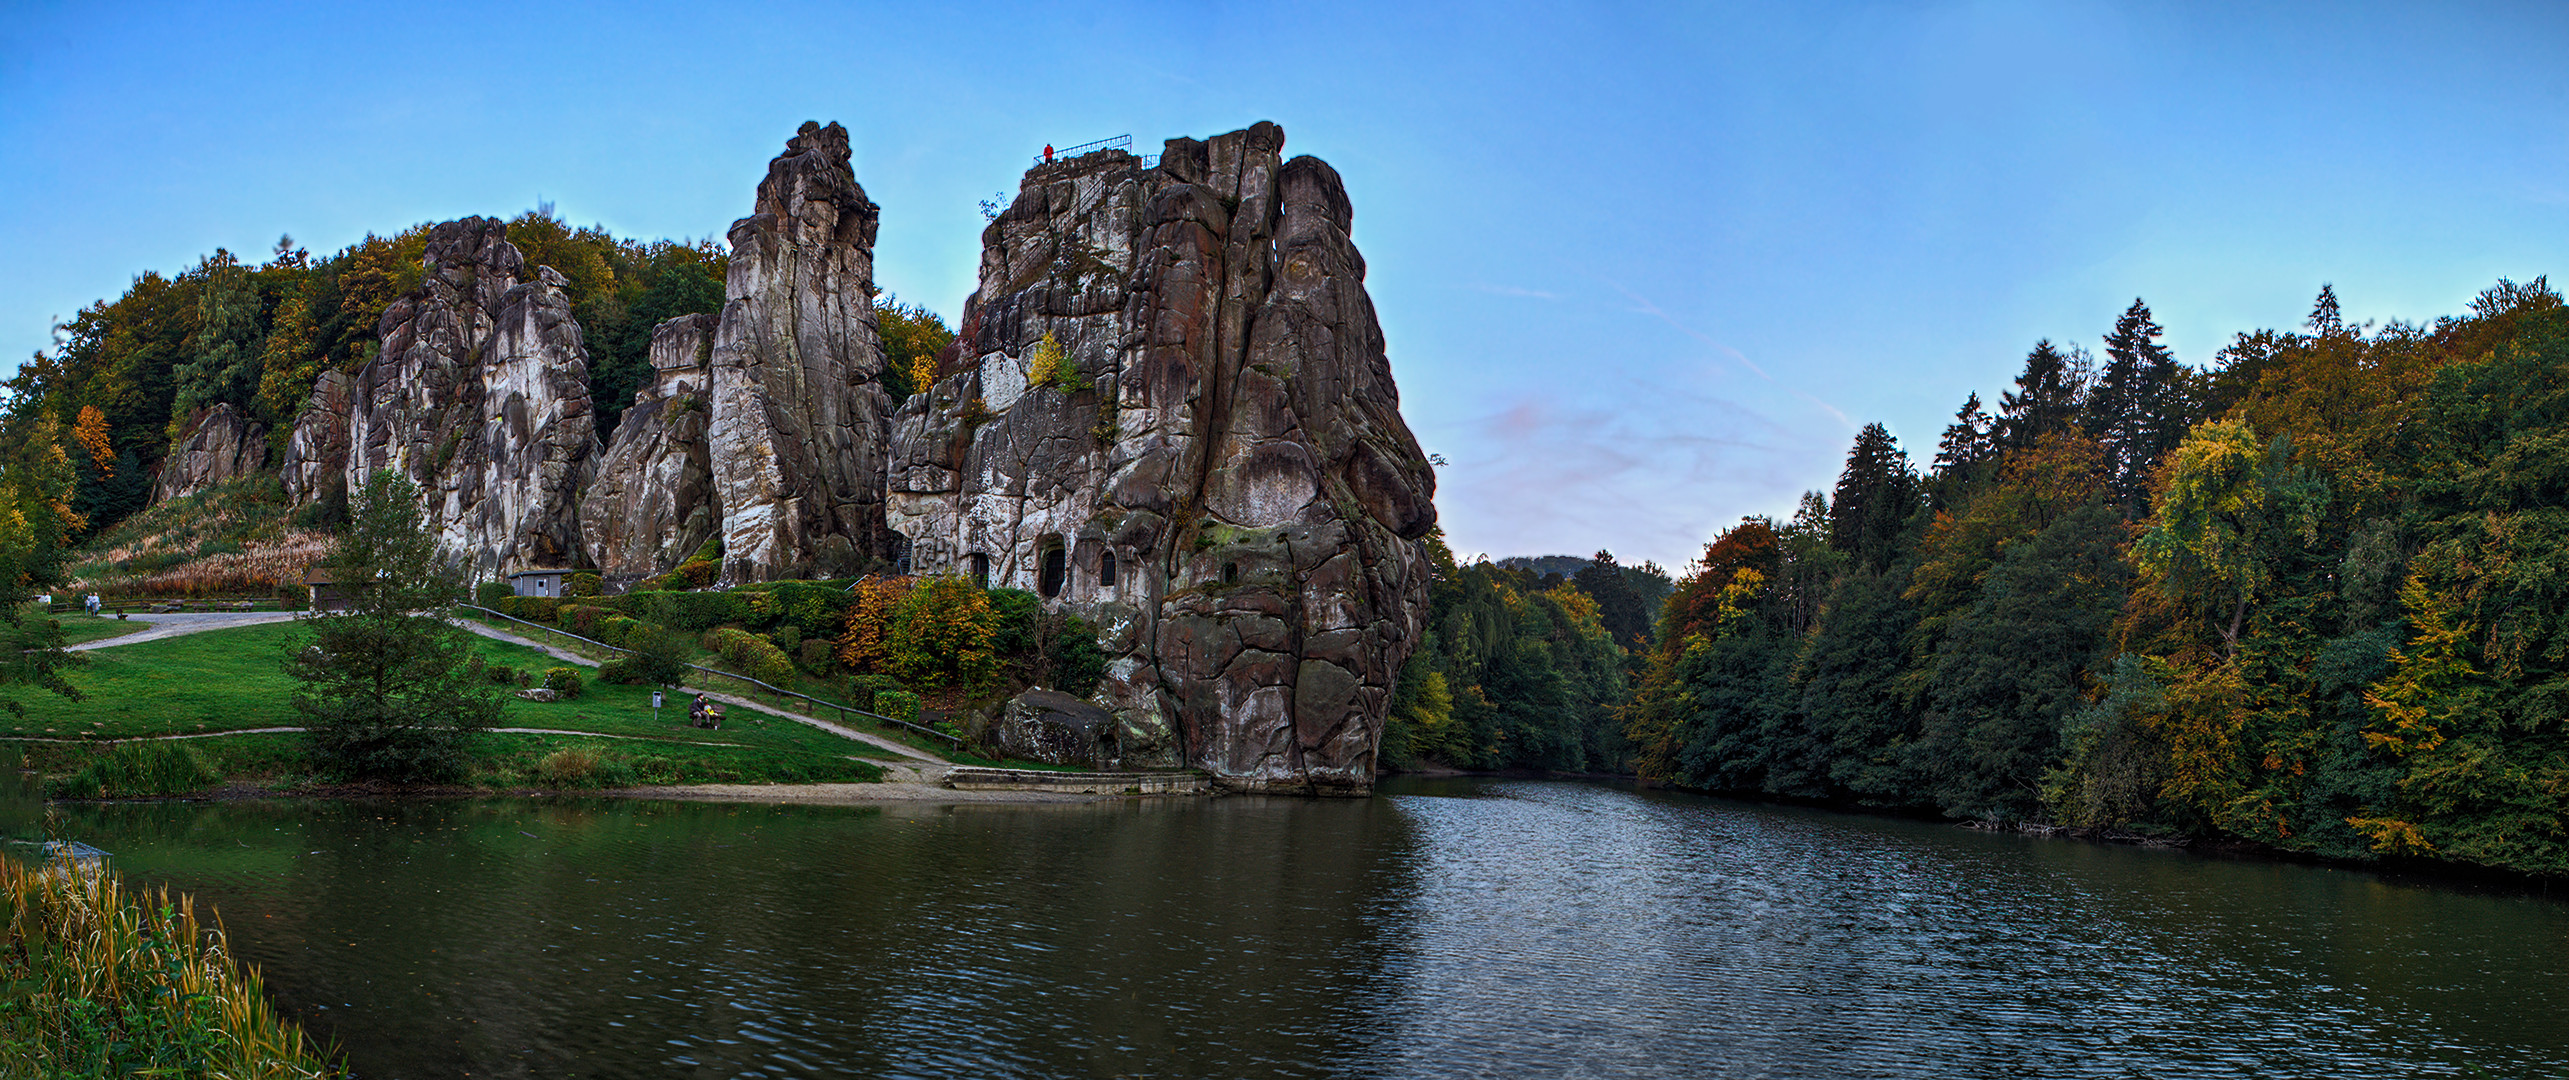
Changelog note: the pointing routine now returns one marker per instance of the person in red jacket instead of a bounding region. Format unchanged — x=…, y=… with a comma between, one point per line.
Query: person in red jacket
x=1048, y=153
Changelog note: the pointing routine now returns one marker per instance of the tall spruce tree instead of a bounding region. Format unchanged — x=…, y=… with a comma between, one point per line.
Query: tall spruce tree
x=391, y=690
x=2135, y=411
x=2046, y=398
x=1875, y=496
x=1968, y=443
x=226, y=349
x=1621, y=608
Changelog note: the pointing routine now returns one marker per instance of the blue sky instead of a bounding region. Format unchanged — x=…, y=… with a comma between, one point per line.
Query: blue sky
x=1643, y=269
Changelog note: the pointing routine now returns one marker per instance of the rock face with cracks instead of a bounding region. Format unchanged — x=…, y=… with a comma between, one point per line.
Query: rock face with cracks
x=799, y=410
x=316, y=451
x=480, y=396
x=651, y=503
x=220, y=444
x=1169, y=410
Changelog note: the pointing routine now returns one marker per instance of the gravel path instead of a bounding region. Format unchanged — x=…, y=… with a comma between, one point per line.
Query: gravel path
x=177, y=623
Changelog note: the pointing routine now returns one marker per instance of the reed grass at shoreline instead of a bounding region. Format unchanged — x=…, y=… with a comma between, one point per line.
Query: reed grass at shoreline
x=99, y=982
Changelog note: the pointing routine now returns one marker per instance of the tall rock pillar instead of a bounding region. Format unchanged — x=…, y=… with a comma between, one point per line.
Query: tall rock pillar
x=799, y=410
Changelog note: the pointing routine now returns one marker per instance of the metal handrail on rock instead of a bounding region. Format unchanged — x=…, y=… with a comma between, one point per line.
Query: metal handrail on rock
x=844, y=710
x=1120, y=142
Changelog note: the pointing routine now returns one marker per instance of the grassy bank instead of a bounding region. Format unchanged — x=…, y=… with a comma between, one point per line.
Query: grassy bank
x=80, y=628
x=221, y=681
x=799, y=681
x=96, y=982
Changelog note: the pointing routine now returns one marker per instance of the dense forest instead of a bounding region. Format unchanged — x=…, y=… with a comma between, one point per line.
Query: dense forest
x=1524, y=666
x=2311, y=596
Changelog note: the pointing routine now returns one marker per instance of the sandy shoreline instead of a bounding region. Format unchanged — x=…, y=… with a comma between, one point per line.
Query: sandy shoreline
x=890, y=791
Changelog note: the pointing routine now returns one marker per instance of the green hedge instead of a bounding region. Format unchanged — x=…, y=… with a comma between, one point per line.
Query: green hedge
x=813, y=610
x=617, y=630
x=583, y=619
x=543, y=609
x=751, y=655
x=690, y=611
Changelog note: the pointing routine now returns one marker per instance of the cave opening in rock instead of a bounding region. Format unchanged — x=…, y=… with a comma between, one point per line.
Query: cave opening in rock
x=1054, y=568
x=1106, y=570
x=980, y=565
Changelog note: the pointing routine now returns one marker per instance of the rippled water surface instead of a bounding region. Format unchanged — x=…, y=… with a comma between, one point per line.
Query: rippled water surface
x=1466, y=928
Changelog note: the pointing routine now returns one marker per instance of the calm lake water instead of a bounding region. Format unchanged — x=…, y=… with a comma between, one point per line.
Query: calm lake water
x=1465, y=928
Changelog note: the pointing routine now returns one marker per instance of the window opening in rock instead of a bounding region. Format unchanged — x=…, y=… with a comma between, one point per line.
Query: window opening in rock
x=1055, y=569
x=1230, y=573
x=1106, y=570
x=980, y=565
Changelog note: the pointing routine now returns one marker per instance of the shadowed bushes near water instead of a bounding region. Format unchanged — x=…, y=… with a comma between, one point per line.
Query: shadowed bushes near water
x=138, y=769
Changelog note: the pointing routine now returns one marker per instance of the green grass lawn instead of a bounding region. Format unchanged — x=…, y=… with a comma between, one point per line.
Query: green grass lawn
x=80, y=628
x=803, y=682
x=225, y=680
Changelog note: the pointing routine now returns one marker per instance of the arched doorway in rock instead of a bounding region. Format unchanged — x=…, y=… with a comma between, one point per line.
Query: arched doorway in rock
x=1052, y=563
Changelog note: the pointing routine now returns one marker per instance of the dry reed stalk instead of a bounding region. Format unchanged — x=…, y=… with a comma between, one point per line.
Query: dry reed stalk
x=276, y=564
x=74, y=935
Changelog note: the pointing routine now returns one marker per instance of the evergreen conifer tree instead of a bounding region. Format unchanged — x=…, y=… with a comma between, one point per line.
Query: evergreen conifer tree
x=1875, y=495
x=391, y=690
x=2135, y=407
x=2046, y=398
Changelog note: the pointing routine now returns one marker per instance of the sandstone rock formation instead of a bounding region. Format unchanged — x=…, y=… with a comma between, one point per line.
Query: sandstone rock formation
x=1046, y=725
x=651, y=502
x=1169, y=409
x=799, y=411
x=316, y=451
x=220, y=444
x=480, y=395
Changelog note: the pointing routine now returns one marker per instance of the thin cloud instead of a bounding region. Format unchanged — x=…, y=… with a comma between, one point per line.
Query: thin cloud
x=1647, y=308
x=1832, y=410
x=1643, y=305
x=1512, y=290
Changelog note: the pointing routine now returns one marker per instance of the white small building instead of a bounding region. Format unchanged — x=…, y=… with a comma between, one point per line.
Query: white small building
x=538, y=582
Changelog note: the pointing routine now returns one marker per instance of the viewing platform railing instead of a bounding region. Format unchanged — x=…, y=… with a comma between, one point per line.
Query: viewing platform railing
x=1120, y=142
